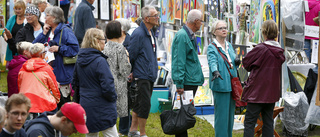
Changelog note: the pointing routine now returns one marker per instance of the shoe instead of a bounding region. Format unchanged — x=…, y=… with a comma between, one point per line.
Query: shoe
x=144, y=136
x=134, y=134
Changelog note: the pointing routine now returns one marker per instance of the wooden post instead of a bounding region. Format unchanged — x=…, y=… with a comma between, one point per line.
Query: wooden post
x=318, y=84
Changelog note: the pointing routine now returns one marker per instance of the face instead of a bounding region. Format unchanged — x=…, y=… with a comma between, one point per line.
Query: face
x=153, y=18
x=68, y=127
x=27, y=54
x=49, y=19
x=91, y=1
x=42, y=6
x=18, y=11
x=198, y=24
x=221, y=30
x=16, y=117
x=31, y=18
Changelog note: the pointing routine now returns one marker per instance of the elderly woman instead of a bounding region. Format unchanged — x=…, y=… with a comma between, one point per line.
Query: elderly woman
x=63, y=43
x=264, y=64
x=37, y=81
x=96, y=85
x=14, y=24
x=125, y=27
x=220, y=82
x=118, y=59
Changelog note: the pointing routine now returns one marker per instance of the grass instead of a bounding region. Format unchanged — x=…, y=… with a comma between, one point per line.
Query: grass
x=3, y=79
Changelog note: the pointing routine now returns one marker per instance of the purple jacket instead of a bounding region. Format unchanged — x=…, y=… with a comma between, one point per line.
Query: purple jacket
x=14, y=68
x=264, y=64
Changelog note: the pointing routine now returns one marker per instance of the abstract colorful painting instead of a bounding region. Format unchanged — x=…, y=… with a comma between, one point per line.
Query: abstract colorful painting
x=213, y=8
x=204, y=94
x=164, y=11
x=200, y=44
x=231, y=6
x=116, y=10
x=126, y=6
x=223, y=8
x=169, y=38
x=270, y=10
x=200, y=6
x=171, y=11
x=255, y=21
x=186, y=6
x=192, y=4
x=177, y=9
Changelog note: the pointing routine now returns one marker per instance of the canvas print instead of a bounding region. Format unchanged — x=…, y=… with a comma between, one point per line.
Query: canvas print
x=223, y=8
x=270, y=10
x=204, y=94
x=177, y=9
x=255, y=21
x=126, y=6
x=105, y=10
x=231, y=6
x=213, y=8
x=200, y=44
x=186, y=6
x=200, y=6
x=116, y=9
x=164, y=11
x=169, y=38
x=95, y=11
x=171, y=11
x=192, y=4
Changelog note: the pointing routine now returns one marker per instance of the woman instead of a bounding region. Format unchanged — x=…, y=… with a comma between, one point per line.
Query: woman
x=33, y=28
x=14, y=24
x=97, y=93
x=118, y=59
x=63, y=43
x=263, y=87
x=37, y=81
x=220, y=82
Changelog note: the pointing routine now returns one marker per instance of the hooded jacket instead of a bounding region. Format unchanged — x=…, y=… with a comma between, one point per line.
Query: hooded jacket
x=41, y=99
x=40, y=126
x=96, y=88
x=14, y=68
x=264, y=64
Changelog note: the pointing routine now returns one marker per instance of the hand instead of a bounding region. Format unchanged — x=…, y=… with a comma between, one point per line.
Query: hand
x=54, y=48
x=215, y=75
x=180, y=91
x=130, y=77
x=7, y=33
x=46, y=29
x=237, y=61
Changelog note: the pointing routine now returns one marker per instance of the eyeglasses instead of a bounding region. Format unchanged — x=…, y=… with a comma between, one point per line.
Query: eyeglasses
x=201, y=21
x=156, y=16
x=16, y=114
x=101, y=38
x=221, y=28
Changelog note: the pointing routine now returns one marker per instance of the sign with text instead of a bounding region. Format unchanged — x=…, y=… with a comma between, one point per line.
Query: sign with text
x=311, y=31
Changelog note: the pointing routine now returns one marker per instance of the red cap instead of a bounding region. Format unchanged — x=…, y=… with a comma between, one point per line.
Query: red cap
x=77, y=115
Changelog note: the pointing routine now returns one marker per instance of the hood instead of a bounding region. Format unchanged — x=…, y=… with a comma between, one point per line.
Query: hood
x=34, y=64
x=16, y=61
x=87, y=55
x=275, y=48
x=42, y=119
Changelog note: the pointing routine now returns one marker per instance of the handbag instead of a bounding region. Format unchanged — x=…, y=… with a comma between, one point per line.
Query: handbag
x=178, y=121
x=57, y=99
x=68, y=60
x=235, y=82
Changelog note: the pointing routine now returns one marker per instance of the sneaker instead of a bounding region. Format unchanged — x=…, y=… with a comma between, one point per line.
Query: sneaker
x=144, y=136
x=134, y=134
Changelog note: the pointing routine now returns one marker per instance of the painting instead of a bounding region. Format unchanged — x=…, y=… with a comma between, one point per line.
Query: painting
x=186, y=6
x=177, y=9
x=255, y=21
x=241, y=51
x=171, y=11
x=3, y=14
x=95, y=11
x=213, y=8
x=116, y=10
x=192, y=4
x=204, y=94
x=231, y=10
x=164, y=11
x=126, y=9
x=105, y=10
x=270, y=10
x=223, y=8
x=200, y=44
x=200, y=6
x=169, y=35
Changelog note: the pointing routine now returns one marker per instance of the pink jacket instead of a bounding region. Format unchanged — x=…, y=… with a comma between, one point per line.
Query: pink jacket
x=314, y=8
x=12, y=78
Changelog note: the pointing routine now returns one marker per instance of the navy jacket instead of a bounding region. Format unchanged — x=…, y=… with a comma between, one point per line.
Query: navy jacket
x=18, y=133
x=83, y=19
x=97, y=93
x=69, y=48
x=40, y=126
x=142, y=54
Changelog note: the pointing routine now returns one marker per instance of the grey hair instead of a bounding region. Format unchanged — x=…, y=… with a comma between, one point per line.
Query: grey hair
x=214, y=25
x=23, y=46
x=2, y=114
x=39, y=1
x=125, y=24
x=193, y=15
x=145, y=11
x=36, y=49
x=57, y=13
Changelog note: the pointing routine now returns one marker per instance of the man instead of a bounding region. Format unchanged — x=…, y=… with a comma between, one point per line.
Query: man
x=42, y=5
x=68, y=120
x=83, y=19
x=17, y=107
x=185, y=68
x=143, y=58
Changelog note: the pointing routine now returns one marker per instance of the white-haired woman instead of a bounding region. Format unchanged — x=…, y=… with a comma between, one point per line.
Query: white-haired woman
x=220, y=82
x=37, y=81
x=63, y=43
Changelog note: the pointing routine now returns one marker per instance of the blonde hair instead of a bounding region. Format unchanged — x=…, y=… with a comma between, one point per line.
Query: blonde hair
x=23, y=46
x=2, y=114
x=36, y=49
x=91, y=38
x=269, y=29
x=20, y=4
x=214, y=25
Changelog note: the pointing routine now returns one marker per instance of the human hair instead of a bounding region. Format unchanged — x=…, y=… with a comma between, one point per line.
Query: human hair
x=145, y=11
x=138, y=20
x=193, y=15
x=23, y=46
x=20, y=4
x=91, y=38
x=36, y=49
x=60, y=114
x=214, y=25
x=125, y=24
x=113, y=29
x=56, y=12
x=2, y=114
x=36, y=2
x=17, y=99
x=269, y=29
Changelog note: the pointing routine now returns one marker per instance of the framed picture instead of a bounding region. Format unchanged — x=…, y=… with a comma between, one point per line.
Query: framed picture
x=105, y=10
x=95, y=11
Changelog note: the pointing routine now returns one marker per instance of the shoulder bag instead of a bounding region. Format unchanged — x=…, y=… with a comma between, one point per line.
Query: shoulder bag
x=57, y=99
x=68, y=60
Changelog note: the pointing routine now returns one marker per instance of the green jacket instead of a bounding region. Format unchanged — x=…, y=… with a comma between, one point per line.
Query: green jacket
x=185, y=67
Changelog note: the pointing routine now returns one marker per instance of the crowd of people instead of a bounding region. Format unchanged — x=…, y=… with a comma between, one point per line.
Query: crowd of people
x=97, y=67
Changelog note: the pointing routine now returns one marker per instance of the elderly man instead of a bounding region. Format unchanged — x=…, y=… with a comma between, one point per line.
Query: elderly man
x=83, y=19
x=142, y=50
x=186, y=68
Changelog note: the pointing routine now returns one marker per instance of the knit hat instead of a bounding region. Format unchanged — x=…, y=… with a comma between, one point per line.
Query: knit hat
x=77, y=115
x=33, y=10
